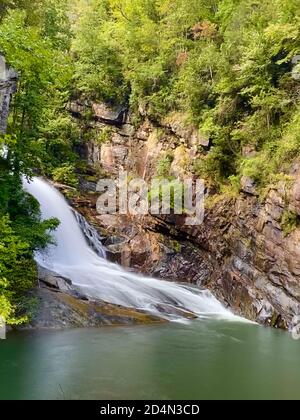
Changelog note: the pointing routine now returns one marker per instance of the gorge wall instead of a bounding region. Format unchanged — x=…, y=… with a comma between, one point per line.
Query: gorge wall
x=246, y=251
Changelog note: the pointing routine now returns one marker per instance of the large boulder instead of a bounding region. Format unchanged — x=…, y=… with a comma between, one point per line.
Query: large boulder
x=53, y=280
x=108, y=114
x=101, y=112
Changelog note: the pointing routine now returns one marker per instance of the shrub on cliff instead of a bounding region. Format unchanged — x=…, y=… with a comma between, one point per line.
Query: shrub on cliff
x=65, y=174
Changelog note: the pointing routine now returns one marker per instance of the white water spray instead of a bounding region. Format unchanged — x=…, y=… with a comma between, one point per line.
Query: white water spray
x=97, y=278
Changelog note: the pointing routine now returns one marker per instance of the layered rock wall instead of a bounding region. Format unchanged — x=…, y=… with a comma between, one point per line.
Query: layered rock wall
x=248, y=248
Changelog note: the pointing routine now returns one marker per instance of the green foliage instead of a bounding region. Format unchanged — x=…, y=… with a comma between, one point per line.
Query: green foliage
x=173, y=245
x=56, y=24
x=65, y=175
x=163, y=166
x=289, y=222
x=104, y=135
x=168, y=193
x=21, y=234
x=35, y=39
x=18, y=273
x=11, y=250
x=98, y=70
x=45, y=70
x=6, y=308
x=225, y=63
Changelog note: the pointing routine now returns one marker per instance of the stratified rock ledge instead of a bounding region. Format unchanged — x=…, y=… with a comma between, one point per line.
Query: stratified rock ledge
x=60, y=305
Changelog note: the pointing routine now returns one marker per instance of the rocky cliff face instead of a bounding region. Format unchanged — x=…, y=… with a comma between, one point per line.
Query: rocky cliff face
x=247, y=250
x=8, y=83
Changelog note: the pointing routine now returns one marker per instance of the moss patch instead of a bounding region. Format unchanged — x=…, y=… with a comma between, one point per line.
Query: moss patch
x=117, y=315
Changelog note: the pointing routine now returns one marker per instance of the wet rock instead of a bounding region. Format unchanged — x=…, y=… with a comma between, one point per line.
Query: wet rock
x=61, y=305
x=144, y=131
x=93, y=152
x=275, y=206
x=58, y=310
x=53, y=280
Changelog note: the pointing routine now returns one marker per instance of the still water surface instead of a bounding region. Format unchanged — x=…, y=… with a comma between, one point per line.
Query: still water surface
x=201, y=360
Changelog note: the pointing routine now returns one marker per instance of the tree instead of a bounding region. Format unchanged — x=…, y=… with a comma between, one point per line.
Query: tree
x=98, y=70
x=40, y=54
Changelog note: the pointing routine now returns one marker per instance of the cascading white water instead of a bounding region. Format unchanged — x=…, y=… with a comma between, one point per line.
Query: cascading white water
x=92, y=236
x=97, y=278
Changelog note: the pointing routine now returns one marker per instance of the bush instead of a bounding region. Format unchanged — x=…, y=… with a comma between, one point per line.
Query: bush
x=163, y=166
x=104, y=135
x=65, y=175
x=21, y=234
x=289, y=222
x=17, y=270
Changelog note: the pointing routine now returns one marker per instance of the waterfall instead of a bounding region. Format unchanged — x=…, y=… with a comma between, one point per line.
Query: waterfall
x=92, y=236
x=97, y=278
